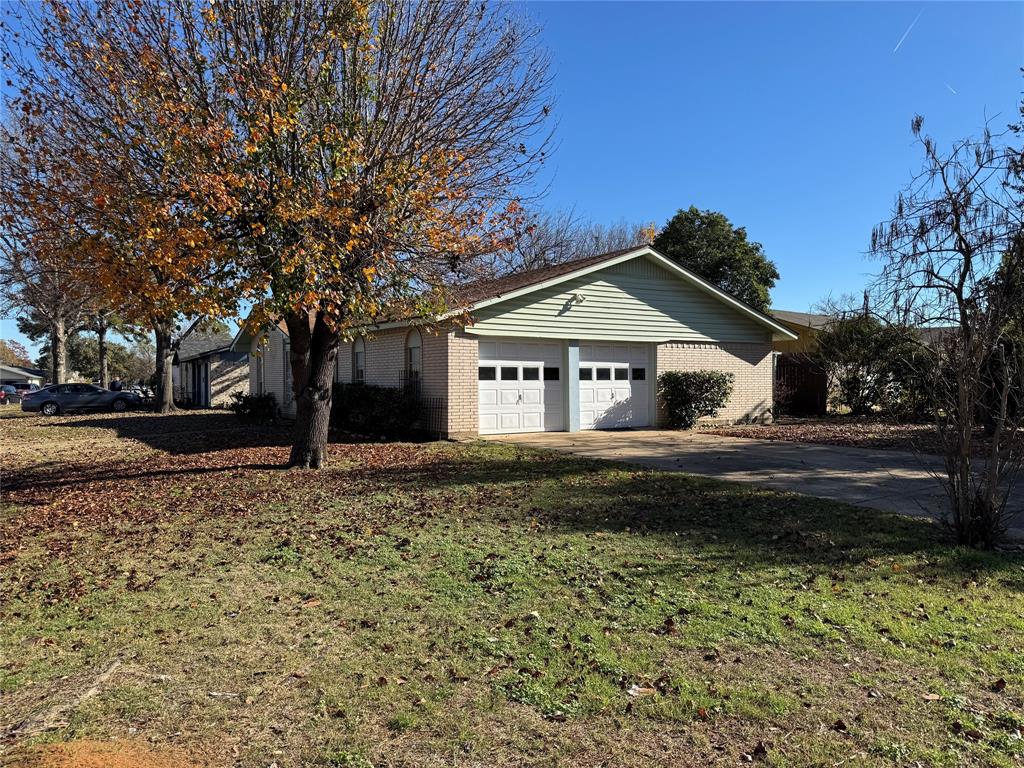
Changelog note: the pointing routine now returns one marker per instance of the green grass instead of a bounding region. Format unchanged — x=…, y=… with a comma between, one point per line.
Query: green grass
x=442, y=604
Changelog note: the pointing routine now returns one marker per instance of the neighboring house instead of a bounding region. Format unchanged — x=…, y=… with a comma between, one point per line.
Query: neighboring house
x=573, y=346
x=806, y=325
x=207, y=370
x=21, y=375
x=269, y=368
x=801, y=386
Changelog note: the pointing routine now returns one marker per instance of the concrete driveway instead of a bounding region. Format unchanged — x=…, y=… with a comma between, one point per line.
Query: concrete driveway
x=893, y=481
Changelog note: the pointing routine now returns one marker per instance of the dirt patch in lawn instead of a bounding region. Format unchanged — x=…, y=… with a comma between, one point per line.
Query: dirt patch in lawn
x=100, y=754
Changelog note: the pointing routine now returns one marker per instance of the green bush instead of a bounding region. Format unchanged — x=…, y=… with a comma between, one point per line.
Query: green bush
x=876, y=367
x=261, y=408
x=690, y=395
x=369, y=410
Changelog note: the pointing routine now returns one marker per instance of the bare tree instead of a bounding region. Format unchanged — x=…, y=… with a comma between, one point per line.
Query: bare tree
x=950, y=253
x=544, y=238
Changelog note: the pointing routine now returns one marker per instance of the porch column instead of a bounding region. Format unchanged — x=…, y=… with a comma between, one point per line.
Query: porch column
x=572, y=381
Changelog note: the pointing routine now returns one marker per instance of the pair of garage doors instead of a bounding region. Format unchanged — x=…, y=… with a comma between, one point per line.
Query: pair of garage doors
x=523, y=387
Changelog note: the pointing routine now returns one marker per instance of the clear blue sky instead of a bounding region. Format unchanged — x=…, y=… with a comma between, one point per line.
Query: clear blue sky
x=792, y=119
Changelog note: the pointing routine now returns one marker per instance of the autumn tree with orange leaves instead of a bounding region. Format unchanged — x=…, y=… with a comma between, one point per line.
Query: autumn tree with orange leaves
x=331, y=163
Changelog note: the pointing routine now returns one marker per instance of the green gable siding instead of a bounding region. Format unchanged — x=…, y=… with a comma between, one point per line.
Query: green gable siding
x=636, y=300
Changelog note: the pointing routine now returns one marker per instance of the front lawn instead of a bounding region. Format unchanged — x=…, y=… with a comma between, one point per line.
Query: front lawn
x=164, y=586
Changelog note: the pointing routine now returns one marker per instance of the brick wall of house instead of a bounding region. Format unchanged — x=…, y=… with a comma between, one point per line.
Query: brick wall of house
x=226, y=377
x=385, y=367
x=749, y=363
x=463, y=361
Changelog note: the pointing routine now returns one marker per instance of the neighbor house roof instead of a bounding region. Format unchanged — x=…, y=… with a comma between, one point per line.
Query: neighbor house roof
x=199, y=343
x=23, y=370
x=805, y=319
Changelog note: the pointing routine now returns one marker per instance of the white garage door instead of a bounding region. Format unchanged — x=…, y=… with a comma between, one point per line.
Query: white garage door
x=520, y=387
x=614, y=386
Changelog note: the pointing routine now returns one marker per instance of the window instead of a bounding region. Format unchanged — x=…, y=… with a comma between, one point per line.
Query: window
x=413, y=355
x=359, y=361
x=621, y=374
x=639, y=374
x=486, y=373
x=509, y=373
x=286, y=378
x=550, y=374
x=604, y=374
x=586, y=374
x=531, y=374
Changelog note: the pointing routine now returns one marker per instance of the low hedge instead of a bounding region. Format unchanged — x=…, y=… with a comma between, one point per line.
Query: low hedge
x=690, y=395
x=259, y=408
x=371, y=410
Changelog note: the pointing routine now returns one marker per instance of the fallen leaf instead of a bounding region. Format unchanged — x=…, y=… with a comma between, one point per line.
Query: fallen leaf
x=636, y=690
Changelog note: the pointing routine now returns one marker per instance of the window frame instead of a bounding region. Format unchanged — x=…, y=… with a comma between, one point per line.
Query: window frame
x=359, y=365
x=413, y=373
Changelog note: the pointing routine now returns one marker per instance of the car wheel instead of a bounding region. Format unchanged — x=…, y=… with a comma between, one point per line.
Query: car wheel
x=120, y=405
x=50, y=409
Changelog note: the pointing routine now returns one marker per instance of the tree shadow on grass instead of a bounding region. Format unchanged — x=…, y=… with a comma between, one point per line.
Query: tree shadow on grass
x=555, y=491
x=201, y=431
x=742, y=522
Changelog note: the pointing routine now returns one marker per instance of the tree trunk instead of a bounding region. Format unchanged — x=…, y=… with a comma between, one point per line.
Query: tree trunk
x=164, y=369
x=313, y=354
x=58, y=351
x=101, y=342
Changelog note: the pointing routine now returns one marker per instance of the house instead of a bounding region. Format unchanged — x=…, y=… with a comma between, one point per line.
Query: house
x=801, y=386
x=806, y=325
x=207, y=370
x=20, y=375
x=573, y=346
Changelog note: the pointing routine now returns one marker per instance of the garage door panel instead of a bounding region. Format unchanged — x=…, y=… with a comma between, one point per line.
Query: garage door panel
x=522, y=398
x=614, y=397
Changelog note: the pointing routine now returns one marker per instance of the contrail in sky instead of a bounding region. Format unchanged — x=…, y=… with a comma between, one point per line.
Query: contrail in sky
x=907, y=32
x=951, y=89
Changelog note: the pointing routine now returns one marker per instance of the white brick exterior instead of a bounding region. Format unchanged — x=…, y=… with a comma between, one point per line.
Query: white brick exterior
x=749, y=363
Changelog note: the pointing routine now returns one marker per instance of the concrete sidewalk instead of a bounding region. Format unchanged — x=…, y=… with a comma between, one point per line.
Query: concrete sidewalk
x=893, y=481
